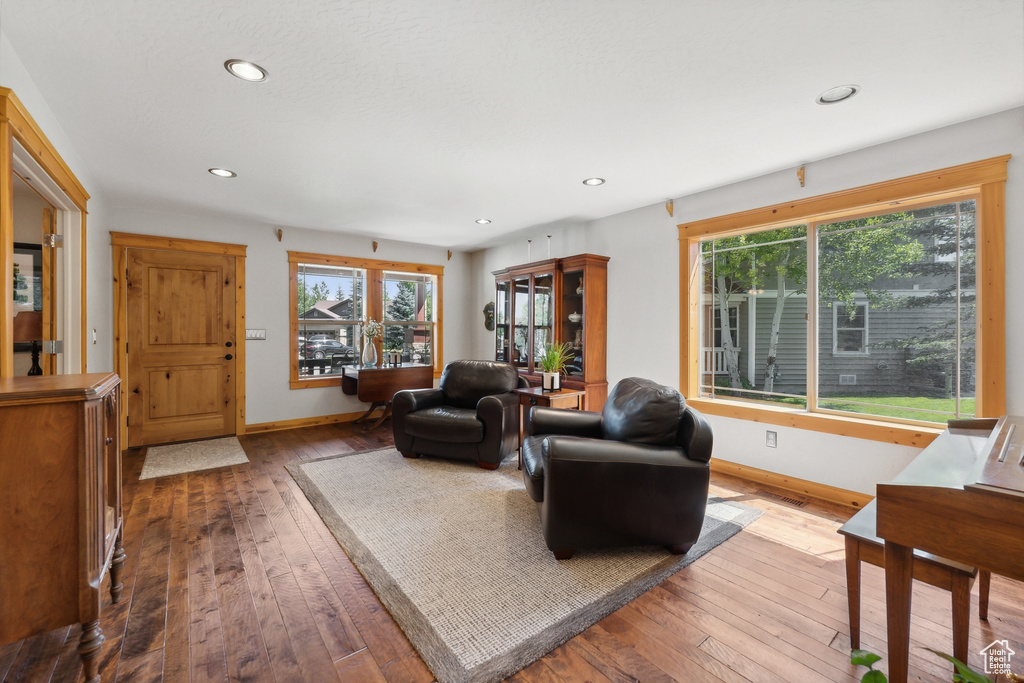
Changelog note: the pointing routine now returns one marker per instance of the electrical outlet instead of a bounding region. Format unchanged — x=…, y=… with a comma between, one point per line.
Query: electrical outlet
x=771, y=439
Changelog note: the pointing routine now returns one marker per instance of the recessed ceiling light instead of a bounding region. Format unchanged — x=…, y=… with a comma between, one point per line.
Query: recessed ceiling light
x=483, y=221
x=594, y=181
x=247, y=71
x=840, y=93
x=223, y=173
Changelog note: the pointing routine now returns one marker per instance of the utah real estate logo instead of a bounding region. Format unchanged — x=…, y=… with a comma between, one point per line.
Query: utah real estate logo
x=997, y=657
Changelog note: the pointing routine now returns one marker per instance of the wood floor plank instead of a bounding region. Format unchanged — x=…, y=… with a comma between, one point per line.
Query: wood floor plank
x=177, y=662
x=359, y=666
x=206, y=643
x=255, y=587
x=243, y=639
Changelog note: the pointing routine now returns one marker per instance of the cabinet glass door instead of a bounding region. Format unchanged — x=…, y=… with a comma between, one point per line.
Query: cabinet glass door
x=543, y=313
x=521, y=322
x=572, y=329
x=501, y=318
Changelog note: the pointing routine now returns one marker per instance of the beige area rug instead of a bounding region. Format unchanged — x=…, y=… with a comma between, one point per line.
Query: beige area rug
x=456, y=555
x=192, y=456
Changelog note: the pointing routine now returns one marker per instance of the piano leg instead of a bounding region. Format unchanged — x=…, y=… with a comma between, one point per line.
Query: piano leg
x=853, y=589
x=961, y=591
x=899, y=571
x=984, y=581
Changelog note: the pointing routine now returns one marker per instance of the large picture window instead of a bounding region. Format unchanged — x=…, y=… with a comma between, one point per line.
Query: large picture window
x=332, y=299
x=887, y=289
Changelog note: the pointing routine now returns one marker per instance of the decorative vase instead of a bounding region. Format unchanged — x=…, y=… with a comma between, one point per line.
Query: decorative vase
x=369, y=354
x=579, y=290
x=551, y=381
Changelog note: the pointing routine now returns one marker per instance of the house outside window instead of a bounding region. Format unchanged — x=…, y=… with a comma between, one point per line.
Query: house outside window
x=333, y=297
x=810, y=285
x=849, y=328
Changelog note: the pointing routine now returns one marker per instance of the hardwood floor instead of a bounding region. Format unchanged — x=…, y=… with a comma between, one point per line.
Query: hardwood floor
x=231, y=575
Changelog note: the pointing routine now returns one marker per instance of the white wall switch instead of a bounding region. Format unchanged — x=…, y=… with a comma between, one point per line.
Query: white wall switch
x=256, y=334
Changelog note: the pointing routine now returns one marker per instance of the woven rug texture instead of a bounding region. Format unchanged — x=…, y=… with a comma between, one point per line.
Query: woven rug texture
x=456, y=555
x=192, y=456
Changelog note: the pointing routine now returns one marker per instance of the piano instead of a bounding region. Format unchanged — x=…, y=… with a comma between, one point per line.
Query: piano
x=962, y=498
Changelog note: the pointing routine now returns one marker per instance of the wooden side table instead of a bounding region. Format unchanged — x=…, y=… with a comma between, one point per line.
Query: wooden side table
x=377, y=386
x=568, y=399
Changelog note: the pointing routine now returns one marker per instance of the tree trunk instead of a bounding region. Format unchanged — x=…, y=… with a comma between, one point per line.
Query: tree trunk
x=731, y=353
x=771, y=363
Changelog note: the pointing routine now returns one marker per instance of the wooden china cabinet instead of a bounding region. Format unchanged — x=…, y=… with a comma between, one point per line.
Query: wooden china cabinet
x=556, y=300
x=60, y=506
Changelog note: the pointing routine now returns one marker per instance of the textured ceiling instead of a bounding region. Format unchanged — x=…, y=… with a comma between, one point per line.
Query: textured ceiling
x=408, y=119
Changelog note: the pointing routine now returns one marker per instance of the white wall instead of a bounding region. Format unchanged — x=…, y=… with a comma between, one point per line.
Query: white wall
x=643, y=286
x=268, y=396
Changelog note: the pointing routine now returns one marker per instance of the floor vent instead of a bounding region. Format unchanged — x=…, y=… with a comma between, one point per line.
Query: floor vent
x=795, y=502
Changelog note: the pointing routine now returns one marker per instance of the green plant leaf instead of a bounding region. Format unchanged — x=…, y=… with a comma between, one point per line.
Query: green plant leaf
x=874, y=677
x=863, y=658
x=964, y=673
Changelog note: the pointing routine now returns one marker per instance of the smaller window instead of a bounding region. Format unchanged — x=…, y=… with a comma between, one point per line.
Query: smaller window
x=850, y=328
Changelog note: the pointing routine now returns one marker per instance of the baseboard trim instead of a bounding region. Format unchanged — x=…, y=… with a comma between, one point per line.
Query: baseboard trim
x=831, y=494
x=300, y=422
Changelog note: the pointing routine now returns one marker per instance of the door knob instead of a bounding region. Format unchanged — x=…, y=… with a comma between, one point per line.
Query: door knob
x=228, y=357
x=227, y=344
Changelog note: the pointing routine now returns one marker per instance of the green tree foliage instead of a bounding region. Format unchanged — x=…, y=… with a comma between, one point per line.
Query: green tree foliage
x=853, y=256
x=400, y=307
x=943, y=231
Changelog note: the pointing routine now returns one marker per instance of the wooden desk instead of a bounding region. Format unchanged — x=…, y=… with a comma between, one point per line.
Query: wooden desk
x=377, y=386
x=962, y=498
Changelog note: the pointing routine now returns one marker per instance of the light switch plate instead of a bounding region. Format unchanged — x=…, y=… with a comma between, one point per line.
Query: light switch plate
x=256, y=334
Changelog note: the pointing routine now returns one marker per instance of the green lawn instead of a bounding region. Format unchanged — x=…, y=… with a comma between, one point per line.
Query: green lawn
x=901, y=407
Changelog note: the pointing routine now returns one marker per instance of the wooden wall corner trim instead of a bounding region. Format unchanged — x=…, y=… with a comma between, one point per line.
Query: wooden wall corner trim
x=831, y=494
x=279, y=425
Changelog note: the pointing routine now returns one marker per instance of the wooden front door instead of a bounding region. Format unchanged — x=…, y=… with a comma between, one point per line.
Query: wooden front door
x=181, y=346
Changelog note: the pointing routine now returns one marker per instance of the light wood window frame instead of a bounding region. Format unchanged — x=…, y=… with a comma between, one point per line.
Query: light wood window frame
x=983, y=180
x=374, y=296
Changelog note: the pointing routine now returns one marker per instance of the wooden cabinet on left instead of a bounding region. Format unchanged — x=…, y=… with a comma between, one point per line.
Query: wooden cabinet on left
x=60, y=505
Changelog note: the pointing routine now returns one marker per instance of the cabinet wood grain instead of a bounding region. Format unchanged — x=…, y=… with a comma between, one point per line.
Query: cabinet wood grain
x=60, y=506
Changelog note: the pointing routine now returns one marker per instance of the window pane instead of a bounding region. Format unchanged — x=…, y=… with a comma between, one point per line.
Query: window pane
x=521, y=313
x=415, y=342
x=543, y=313
x=919, y=337
x=330, y=301
x=754, y=289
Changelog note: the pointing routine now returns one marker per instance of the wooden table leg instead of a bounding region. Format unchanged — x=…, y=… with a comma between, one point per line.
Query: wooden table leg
x=899, y=571
x=961, y=592
x=373, y=406
x=853, y=589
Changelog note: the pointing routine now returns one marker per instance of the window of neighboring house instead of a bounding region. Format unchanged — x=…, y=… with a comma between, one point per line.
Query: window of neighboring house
x=332, y=298
x=816, y=278
x=849, y=328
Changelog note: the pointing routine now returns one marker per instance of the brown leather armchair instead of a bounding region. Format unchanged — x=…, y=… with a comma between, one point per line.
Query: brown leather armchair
x=634, y=474
x=472, y=415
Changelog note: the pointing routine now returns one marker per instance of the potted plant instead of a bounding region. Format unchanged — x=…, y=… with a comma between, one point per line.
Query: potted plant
x=552, y=361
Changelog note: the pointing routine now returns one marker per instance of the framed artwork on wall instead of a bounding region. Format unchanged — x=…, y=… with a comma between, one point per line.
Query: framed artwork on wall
x=28, y=282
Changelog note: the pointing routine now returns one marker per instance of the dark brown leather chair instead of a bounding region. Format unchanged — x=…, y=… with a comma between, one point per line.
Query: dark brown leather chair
x=472, y=415
x=634, y=474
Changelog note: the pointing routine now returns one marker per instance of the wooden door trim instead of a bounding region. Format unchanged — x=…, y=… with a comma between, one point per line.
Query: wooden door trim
x=17, y=124
x=121, y=242
x=155, y=243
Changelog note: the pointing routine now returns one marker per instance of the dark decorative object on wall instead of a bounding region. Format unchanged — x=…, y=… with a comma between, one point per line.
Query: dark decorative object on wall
x=28, y=285
x=489, y=316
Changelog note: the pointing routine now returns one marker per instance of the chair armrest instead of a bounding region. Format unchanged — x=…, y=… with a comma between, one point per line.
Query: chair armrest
x=410, y=400
x=496, y=402
x=544, y=420
x=602, y=452
x=697, y=438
